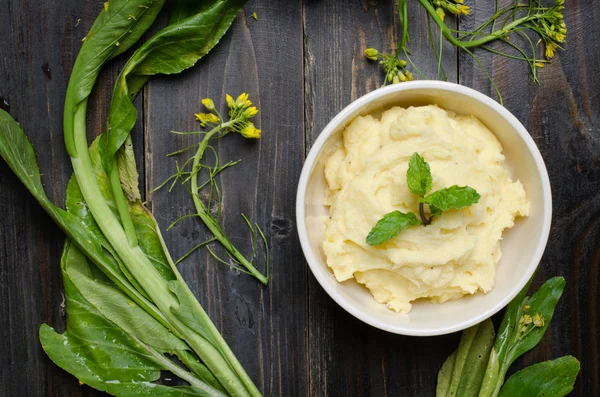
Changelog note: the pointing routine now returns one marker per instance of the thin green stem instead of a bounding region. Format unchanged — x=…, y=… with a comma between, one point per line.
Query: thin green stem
x=204, y=214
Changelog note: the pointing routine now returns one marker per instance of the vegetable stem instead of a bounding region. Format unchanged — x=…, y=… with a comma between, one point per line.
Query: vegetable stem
x=203, y=211
x=119, y=196
x=426, y=221
x=483, y=40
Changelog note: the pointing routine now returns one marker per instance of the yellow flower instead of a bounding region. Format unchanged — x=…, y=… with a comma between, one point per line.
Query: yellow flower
x=243, y=100
x=250, y=131
x=539, y=64
x=551, y=48
x=440, y=13
x=208, y=103
x=559, y=37
x=205, y=118
x=230, y=101
x=409, y=75
x=538, y=320
x=462, y=9
x=525, y=320
x=251, y=112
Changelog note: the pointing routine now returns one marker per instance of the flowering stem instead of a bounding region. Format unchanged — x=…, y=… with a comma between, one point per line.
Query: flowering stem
x=204, y=212
x=483, y=40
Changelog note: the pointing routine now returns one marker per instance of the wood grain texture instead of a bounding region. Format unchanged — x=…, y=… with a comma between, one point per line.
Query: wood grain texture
x=301, y=62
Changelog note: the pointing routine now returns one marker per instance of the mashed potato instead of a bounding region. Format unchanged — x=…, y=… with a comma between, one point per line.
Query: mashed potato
x=454, y=256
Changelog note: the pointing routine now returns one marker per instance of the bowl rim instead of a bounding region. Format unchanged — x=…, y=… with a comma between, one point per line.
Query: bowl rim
x=332, y=126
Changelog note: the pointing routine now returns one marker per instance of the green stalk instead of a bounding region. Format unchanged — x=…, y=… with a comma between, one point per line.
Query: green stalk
x=203, y=212
x=143, y=270
x=180, y=372
x=127, y=222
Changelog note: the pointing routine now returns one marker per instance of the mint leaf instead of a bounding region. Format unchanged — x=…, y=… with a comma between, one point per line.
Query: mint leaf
x=452, y=198
x=390, y=225
x=418, y=175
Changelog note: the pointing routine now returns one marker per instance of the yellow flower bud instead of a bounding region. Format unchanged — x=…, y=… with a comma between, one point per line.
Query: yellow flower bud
x=250, y=131
x=551, y=49
x=372, y=54
x=251, y=112
x=230, y=101
x=242, y=100
x=208, y=103
x=525, y=320
x=538, y=320
x=440, y=13
x=205, y=118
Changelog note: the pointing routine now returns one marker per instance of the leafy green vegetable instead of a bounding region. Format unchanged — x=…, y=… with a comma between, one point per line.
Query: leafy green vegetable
x=133, y=289
x=482, y=370
x=452, y=198
x=419, y=181
x=390, y=225
x=418, y=176
x=462, y=373
x=547, y=379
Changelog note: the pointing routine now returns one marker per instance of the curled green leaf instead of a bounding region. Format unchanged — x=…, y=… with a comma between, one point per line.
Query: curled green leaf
x=452, y=198
x=418, y=176
x=547, y=379
x=390, y=225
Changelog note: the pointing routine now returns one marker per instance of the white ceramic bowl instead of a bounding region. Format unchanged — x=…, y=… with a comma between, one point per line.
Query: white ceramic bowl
x=522, y=245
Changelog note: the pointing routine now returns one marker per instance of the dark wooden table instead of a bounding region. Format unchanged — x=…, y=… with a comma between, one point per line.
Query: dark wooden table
x=302, y=61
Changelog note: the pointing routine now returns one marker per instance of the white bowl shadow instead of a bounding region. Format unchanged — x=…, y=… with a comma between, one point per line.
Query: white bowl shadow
x=522, y=246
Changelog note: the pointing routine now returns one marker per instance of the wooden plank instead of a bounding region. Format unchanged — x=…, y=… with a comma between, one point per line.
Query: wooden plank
x=263, y=325
x=562, y=117
x=41, y=40
x=348, y=357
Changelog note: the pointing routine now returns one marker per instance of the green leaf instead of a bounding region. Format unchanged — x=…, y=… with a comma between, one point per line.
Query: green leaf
x=510, y=321
x=452, y=198
x=122, y=355
x=390, y=225
x=547, y=379
x=418, y=175
x=445, y=376
x=470, y=360
x=543, y=302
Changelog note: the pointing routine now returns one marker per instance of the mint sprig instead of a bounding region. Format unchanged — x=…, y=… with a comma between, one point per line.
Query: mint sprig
x=420, y=181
